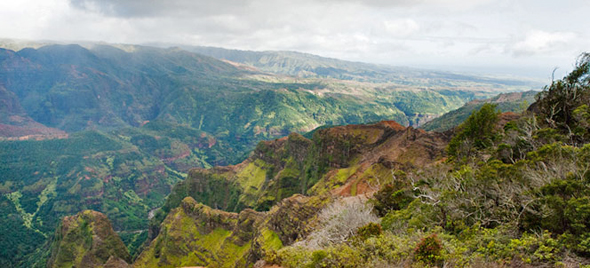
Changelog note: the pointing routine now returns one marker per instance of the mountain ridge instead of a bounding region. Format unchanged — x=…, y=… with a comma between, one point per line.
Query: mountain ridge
x=136, y=119
x=310, y=65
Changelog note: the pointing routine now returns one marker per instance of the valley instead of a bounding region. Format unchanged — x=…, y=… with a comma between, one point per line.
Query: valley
x=117, y=128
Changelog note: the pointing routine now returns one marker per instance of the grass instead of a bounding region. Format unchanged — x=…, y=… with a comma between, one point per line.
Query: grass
x=271, y=240
x=251, y=179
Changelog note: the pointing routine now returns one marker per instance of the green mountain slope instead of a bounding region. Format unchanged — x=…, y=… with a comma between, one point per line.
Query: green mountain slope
x=342, y=160
x=43, y=181
x=507, y=102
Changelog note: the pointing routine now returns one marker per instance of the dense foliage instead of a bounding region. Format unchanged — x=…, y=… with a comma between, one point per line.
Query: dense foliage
x=139, y=118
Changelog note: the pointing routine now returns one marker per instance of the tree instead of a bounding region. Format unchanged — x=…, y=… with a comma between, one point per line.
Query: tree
x=477, y=132
x=557, y=103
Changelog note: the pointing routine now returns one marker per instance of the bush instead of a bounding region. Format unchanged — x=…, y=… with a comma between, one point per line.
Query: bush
x=429, y=250
x=557, y=103
x=562, y=206
x=394, y=196
x=334, y=256
x=317, y=257
x=369, y=230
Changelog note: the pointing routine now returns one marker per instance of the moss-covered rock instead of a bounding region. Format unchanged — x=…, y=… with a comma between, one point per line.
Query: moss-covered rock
x=196, y=235
x=87, y=240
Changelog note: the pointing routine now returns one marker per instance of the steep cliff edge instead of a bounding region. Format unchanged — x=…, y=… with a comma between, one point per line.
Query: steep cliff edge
x=287, y=182
x=196, y=235
x=342, y=160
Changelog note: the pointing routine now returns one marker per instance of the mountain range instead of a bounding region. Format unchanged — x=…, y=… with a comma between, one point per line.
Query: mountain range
x=114, y=128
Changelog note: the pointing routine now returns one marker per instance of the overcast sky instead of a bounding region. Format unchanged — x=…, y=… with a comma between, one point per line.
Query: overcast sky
x=504, y=36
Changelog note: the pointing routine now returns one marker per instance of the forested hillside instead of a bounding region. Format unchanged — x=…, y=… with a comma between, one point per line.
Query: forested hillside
x=507, y=102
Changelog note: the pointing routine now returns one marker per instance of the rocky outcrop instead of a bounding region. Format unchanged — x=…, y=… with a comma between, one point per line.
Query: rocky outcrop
x=342, y=160
x=355, y=157
x=196, y=235
x=293, y=218
x=87, y=240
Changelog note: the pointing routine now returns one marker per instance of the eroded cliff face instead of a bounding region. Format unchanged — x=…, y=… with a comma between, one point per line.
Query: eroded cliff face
x=354, y=159
x=88, y=240
x=235, y=215
x=278, y=192
x=343, y=160
x=194, y=234
x=275, y=170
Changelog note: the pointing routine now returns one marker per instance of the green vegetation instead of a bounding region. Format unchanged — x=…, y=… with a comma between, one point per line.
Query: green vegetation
x=197, y=235
x=428, y=251
x=138, y=119
x=93, y=170
x=507, y=102
x=512, y=193
x=564, y=104
x=307, y=65
x=478, y=132
x=86, y=240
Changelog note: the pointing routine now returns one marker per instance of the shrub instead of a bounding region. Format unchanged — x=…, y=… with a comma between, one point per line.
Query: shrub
x=317, y=257
x=562, y=206
x=584, y=246
x=394, y=196
x=558, y=101
x=369, y=230
x=334, y=256
x=429, y=250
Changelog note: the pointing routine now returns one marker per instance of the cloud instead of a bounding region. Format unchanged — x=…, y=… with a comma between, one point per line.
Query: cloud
x=537, y=42
x=401, y=27
x=455, y=4
x=158, y=8
x=406, y=32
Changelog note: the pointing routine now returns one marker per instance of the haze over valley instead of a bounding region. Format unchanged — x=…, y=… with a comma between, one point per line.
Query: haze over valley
x=267, y=134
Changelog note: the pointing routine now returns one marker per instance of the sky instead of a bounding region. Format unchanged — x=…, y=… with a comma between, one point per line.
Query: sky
x=519, y=37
